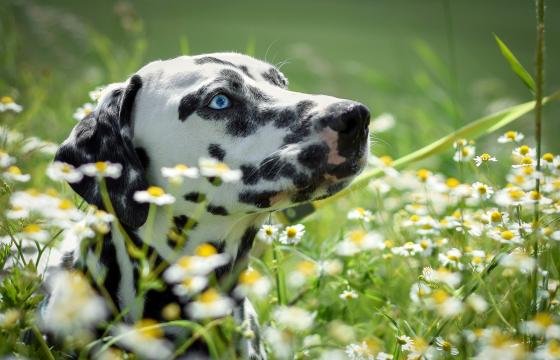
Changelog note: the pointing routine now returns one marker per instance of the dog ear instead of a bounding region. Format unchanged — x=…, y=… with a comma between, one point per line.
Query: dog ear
x=106, y=135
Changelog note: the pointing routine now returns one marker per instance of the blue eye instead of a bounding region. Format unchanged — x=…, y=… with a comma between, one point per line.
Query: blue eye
x=219, y=102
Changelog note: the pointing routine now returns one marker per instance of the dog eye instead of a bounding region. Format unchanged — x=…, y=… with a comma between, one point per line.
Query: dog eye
x=219, y=102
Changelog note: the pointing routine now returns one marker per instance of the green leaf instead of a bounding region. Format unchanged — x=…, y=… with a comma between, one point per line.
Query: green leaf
x=516, y=65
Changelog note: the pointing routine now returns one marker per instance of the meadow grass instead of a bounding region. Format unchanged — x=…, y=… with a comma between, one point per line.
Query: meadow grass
x=448, y=252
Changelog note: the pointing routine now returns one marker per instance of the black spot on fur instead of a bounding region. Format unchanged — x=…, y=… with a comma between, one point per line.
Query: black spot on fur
x=195, y=197
x=212, y=60
x=216, y=151
x=250, y=174
x=274, y=77
x=188, y=105
x=181, y=221
x=260, y=199
x=258, y=95
x=143, y=156
x=285, y=118
x=233, y=78
x=217, y=210
x=314, y=155
x=246, y=71
x=246, y=242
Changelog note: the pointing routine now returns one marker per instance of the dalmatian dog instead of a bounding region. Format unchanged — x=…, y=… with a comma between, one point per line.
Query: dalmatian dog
x=291, y=148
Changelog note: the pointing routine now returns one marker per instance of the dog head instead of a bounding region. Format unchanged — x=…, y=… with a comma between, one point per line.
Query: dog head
x=291, y=147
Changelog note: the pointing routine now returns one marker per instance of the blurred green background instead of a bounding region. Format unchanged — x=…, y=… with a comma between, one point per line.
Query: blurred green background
x=433, y=64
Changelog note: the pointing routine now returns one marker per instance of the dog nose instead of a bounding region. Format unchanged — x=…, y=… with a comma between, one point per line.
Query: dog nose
x=349, y=119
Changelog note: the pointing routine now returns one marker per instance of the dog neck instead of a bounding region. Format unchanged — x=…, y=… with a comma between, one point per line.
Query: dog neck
x=232, y=234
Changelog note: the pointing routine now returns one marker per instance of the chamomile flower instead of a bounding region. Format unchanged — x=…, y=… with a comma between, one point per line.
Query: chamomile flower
x=252, y=283
x=524, y=151
x=73, y=304
x=477, y=303
x=102, y=169
x=7, y=103
x=348, y=294
x=293, y=318
x=485, y=158
x=447, y=306
x=268, y=233
x=83, y=111
x=524, y=162
x=303, y=271
x=190, y=285
x=464, y=154
x=505, y=235
x=96, y=93
x=478, y=260
x=360, y=214
x=510, y=196
x=550, y=350
x=145, y=338
x=496, y=217
x=6, y=160
x=542, y=324
x=154, y=195
x=13, y=173
x=511, y=136
x=205, y=259
x=359, y=351
x=178, y=172
x=210, y=304
x=59, y=171
x=519, y=260
x=418, y=292
x=359, y=240
x=481, y=191
x=440, y=276
x=497, y=345
x=533, y=197
x=292, y=234
x=406, y=343
x=451, y=258
x=446, y=346
x=407, y=249
x=34, y=232
x=214, y=168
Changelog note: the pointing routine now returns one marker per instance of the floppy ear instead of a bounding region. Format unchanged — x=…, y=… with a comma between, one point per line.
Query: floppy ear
x=106, y=135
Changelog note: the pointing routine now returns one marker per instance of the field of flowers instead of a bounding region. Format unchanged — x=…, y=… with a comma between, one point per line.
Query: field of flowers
x=411, y=262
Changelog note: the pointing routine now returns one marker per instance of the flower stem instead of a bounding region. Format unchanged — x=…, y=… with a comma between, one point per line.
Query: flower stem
x=44, y=347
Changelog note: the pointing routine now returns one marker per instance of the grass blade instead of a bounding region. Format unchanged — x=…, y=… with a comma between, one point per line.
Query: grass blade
x=516, y=65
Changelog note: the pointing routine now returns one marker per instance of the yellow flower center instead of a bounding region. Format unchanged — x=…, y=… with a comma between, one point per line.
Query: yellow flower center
x=155, y=191
x=249, y=277
x=388, y=244
x=415, y=218
x=477, y=260
x=440, y=296
x=519, y=179
x=482, y=189
x=516, y=194
x=511, y=135
x=181, y=167
x=554, y=348
x=524, y=150
x=14, y=170
x=544, y=319
x=386, y=160
x=453, y=257
x=535, y=195
x=221, y=167
x=507, y=235
x=496, y=216
x=184, y=262
x=453, y=183
x=549, y=157
x=423, y=174
x=465, y=151
x=65, y=204
x=357, y=236
x=461, y=142
x=425, y=244
x=205, y=250
x=171, y=312
x=306, y=267
x=360, y=211
x=446, y=346
x=269, y=231
x=7, y=100
x=149, y=328
x=209, y=296
x=291, y=232
x=31, y=229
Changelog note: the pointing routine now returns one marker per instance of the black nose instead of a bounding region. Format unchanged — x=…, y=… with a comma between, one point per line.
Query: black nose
x=349, y=119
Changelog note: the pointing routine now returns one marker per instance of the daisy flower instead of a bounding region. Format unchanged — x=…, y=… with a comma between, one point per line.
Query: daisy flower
x=477, y=303
x=510, y=196
x=205, y=259
x=418, y=292
x=59, y=171
x=548, y=351
x=102, y=169
x=382, y=122
x=446, y=347
x=533, y=197
x=464, y=154
x=190, y=285
x=359, y=240
x=145, y=338
x=252, y=282
x=518, y=260
x=348, y=294
x=34, y=232
x=511, y=136
x=303, y=271
x=178, y=172
x=13, y=173
x=542, y=324
x=210, y=304
x=215, y=168
x=505, y=236
x=406, y=342
x=481, y=191
x=360, y=214
x=72, y=305
x=8, y=103
x=524, y=162
x=447, y=306
x=83, y=111
x=96, y=93
x=5, y=159
x=292, y=234
x=484, y=158
x=293, y=318
x=451, y=258
x=267, y=233
x=154, y=195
